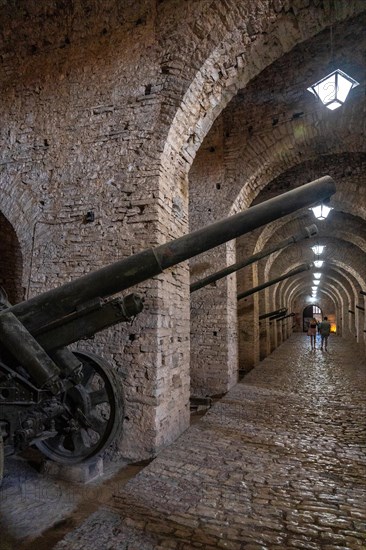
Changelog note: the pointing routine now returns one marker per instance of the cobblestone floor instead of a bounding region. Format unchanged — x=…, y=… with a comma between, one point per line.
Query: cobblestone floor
x=278, y=463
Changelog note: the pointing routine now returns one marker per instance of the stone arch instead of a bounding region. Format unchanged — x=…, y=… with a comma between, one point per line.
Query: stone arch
x=341, y=290
x=215, y=82
x=11, y=262
x=348, y=229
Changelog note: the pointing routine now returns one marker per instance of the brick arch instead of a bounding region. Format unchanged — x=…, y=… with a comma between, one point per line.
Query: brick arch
x=338, y=220
x=347, y=227
x=343, y=282
x=272, y=167
x=344, y=237
x=335, y=297
x=341, y=287
x=346, y=271
x=346, y=255
x=11, y=261
x=331, y=294
x=244, y=46
x=21, y=210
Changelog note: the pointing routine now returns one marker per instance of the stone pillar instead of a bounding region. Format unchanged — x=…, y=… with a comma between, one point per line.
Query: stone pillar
x=214, y=355
x=248, y=322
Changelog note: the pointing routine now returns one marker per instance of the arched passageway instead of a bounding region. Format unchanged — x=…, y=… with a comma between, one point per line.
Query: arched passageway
x=11, y=262
x=311, y=312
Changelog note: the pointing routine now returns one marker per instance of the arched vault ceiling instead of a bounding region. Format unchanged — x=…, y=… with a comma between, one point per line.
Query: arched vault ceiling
x=272, y=32
x=274, y=133
x=335, y=278
x=336, y=283
x=347, y=169
x=341, y=243
x=329, y=294
x=298, y=287
x=338, y=224
x=337, y=253
x=274, y=124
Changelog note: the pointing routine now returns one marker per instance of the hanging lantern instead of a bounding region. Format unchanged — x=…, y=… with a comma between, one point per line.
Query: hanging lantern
x=318, y=249
x=333, y=89
x=321, y=211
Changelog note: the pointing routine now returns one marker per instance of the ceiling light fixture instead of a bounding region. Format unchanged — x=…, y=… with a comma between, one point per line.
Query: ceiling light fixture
x=318, y=263
x=321, y=211
x=333, y=89
x=317, y=275
x=318, y=249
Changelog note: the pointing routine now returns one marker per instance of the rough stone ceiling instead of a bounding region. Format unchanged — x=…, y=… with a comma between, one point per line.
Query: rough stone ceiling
x=277, y=136
x=276, y=122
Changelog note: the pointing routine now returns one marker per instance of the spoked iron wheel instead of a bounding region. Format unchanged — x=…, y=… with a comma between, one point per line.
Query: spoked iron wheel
x=94, y=414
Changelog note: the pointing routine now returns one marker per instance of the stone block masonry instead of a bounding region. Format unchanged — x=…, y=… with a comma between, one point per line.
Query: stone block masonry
x=278, y=462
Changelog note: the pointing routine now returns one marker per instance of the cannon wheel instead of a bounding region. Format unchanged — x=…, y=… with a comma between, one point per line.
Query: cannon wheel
x=95, y=414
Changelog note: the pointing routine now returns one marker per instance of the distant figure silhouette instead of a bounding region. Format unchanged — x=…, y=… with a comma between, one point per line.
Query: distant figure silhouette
x=312, y=332
x=324, y=331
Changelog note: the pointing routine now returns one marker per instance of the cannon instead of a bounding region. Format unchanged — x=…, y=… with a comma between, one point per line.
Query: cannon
x=271, y=314
x=278, y=316
x=306, y=233
x=286, y=317
x=69, y=403
x=296, y=271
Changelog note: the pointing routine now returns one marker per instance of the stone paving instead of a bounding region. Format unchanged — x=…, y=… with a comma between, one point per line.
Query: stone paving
x=278, y=463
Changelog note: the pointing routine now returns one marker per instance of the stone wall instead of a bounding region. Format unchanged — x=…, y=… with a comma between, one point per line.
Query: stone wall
x=104, y=108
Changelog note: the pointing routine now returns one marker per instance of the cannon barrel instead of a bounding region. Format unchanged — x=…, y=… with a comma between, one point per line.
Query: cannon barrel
x=363, y=292
x=278, y=315
x=306, y=233
x=300, y=269
x=116, y=277
x=281, y=311
x=360, y=307
x=286, y=317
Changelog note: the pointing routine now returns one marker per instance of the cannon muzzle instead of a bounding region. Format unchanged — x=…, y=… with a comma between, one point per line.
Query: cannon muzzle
x=300, y=269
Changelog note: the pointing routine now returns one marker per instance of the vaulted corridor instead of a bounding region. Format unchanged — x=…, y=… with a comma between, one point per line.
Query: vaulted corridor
x=279, y=462
x=182, y=196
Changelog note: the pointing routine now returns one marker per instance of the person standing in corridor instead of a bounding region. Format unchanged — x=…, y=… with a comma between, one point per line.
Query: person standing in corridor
x=324, y=330
x=312, y=332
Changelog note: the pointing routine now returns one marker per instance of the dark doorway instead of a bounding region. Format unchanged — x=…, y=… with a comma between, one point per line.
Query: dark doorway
x=309, y=313
x=11, y=262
